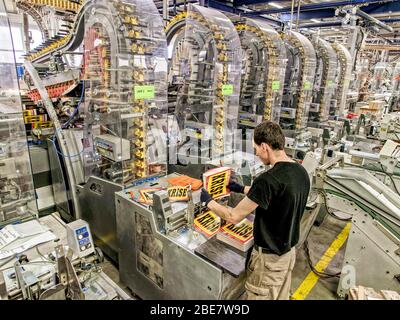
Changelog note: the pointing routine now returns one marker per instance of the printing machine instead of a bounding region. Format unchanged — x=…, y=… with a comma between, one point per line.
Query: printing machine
x=372, y=256
x=204, y=77
x=115, y=131
x=324, y=84
x=299, y=79
x=163, y=257
x=344, y=77
x=263, y=72
x=65, y=269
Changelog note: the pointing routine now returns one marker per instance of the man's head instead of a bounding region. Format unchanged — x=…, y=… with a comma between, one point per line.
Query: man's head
x=268, y=141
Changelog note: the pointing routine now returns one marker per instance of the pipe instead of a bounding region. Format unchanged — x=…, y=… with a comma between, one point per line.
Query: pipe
x=291, y=16
x=25, y=25
x=298, y=15
x=165, y=11
x=373, y=20
x=321, y=25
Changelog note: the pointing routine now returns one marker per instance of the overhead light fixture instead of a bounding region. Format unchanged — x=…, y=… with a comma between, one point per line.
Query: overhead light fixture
x=315, y=20
x=273, y=4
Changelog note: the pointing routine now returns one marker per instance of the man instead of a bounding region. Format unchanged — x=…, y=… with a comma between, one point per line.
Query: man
x=279, y=197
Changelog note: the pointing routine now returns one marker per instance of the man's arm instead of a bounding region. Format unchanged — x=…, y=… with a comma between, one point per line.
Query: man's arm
x=233, y=215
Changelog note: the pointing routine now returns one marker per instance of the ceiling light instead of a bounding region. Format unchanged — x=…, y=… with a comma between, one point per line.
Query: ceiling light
x=315, y=20
x=275, y=5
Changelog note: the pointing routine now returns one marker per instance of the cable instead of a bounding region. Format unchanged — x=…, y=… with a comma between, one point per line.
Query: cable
x=329, y=212
x=77, y=108
x=42, y=256
x=63, y=155
x=318, y=273
x=109, y=130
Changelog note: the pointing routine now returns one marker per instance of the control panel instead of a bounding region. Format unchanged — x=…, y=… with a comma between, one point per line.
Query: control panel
x=80, y=238
x=112, y=147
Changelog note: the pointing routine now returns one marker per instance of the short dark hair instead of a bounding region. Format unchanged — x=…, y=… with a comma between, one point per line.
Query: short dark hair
x=271, y=134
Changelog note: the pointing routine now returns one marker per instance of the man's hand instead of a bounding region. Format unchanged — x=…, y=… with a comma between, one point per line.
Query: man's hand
x=205, y=197
x=235, y=187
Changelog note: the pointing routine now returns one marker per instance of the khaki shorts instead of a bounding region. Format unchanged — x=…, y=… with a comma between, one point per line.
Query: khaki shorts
x=269, y=275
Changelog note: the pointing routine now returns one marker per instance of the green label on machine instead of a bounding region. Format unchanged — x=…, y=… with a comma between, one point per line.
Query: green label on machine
x=276, y=85
x=144, y=92
x=330, y=83
x=227, y=89
x=307, y=85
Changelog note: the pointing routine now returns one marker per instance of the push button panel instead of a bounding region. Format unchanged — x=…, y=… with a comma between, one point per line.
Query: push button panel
x=82, y=235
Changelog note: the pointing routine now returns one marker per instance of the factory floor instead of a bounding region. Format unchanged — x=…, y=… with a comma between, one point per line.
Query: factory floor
x=305, y=286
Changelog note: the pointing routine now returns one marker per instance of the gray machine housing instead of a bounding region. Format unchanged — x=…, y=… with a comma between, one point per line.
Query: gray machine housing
x=168, y=268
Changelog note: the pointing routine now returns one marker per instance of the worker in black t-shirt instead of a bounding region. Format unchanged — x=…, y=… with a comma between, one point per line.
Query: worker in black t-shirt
x=279, y=197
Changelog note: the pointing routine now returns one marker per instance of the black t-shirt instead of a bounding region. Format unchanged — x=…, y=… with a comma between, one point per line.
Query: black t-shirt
x=281, y=194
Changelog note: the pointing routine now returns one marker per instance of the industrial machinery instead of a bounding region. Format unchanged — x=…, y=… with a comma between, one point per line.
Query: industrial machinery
x=125, y=70
x=343, y=82
x=53, y=76
x=375, y=228
x=388, y=127
x=163, y=257
x=394, y=99
x=17, y=195
x=299, y=79
x=205, y=72
x=297, y=93
x=381, y=83
x=380, y=160
x=263, y=71
x=57, y=272
x=324, y=84
x=264, y=64
x=175, y=33
x=115, y=59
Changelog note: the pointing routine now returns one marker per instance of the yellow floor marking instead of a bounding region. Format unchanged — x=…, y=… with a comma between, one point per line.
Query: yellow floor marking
x=311, y=280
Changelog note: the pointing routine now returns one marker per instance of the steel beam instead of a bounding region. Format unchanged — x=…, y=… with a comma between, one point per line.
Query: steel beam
x=237, y=3
x=381, y=47
x=373, y=20
x=320, y=14
x=318, y=6
x=223, y=7
x=382, y=8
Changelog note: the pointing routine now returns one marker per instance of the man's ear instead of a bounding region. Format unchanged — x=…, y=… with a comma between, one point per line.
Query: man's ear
x=267, y=148
x=264, y=146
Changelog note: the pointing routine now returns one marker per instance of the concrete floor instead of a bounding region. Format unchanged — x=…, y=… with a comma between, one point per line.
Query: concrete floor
x=319, y=240
x=112, y=271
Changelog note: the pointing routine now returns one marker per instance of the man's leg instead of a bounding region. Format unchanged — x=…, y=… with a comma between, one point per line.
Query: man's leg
x=284, y=293
x=266, y=275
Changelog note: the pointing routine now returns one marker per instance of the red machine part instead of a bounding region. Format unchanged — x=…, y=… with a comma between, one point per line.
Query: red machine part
x=53, y=91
